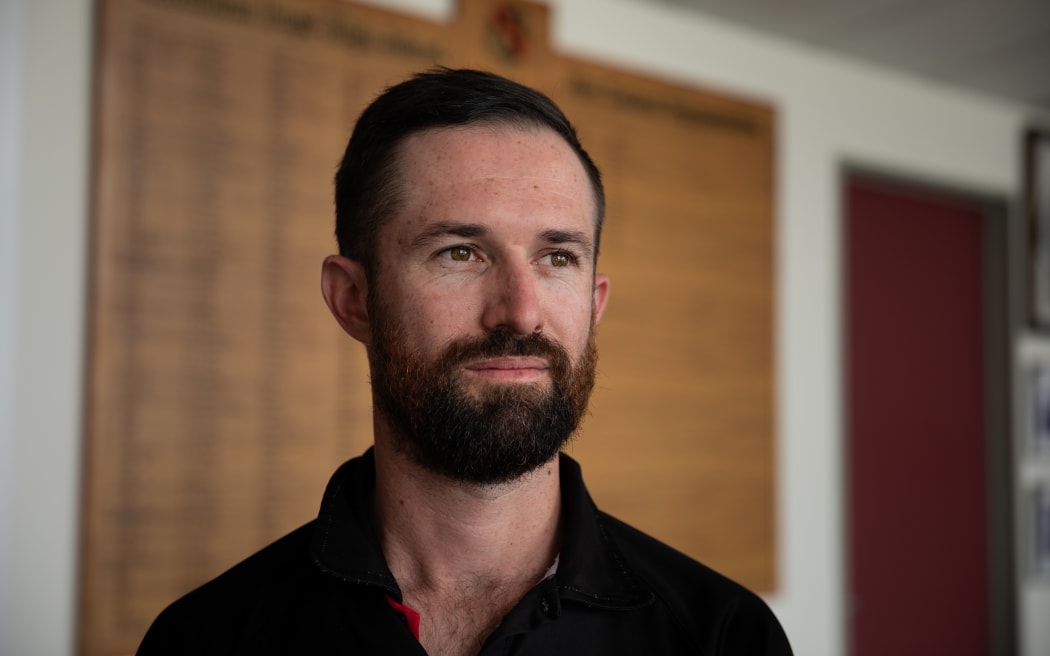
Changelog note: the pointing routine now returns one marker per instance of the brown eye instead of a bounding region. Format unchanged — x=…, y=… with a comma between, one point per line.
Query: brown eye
x=459, y=253
x=560, y=259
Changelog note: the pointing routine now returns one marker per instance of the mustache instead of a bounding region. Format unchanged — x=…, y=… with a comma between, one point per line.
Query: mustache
x=504, y=343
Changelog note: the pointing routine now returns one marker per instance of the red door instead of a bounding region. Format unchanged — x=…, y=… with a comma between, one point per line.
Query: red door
x=917, y=526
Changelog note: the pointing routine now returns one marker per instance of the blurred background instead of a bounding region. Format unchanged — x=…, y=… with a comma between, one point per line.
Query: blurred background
x=909, y=350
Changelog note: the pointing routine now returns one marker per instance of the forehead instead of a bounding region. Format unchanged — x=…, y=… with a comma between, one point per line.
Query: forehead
x=493, y=164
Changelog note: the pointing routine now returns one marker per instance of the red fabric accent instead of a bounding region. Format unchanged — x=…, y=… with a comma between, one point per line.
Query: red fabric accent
x=411, y=616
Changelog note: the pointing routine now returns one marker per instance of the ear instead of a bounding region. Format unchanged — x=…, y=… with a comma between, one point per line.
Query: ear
x=345, y=289
x=601, y=295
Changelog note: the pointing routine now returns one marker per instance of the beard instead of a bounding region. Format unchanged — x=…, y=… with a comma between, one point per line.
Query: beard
x=492, y=434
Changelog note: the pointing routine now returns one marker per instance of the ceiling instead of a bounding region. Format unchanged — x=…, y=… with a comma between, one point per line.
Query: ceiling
x=998, y=47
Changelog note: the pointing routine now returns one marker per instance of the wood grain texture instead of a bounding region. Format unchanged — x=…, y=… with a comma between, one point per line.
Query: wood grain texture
x=221, y=395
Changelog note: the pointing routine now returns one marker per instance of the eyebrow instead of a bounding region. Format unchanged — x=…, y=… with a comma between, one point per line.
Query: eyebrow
x=470, y=230
x=445, y=228
x=579, y=239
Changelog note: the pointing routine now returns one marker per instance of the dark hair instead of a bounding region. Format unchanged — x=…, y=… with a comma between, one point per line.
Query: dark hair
x=367, y=183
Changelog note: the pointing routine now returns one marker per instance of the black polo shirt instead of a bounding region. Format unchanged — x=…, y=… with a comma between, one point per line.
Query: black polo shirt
x=326, y=589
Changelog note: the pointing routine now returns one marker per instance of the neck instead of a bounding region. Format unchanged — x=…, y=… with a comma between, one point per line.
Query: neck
x=442, y=536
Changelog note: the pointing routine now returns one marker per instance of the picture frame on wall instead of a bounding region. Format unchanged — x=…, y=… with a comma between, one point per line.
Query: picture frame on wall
x=1040, y=517
x=1037, y=202
x=1038, y=419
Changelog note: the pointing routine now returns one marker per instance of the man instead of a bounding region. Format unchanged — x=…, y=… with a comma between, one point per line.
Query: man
x=468, y=217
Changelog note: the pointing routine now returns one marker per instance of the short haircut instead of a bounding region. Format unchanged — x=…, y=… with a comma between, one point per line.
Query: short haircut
x=367, y=183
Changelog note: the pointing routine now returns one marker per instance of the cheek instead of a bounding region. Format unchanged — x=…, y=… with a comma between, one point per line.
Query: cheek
x=433, y=318
x=570, y=324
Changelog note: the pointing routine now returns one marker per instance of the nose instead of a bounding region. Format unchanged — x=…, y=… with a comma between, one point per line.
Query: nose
x=512, y=302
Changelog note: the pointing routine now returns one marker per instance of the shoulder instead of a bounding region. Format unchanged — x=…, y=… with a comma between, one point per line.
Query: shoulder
x=705, y=604
x=214, y=617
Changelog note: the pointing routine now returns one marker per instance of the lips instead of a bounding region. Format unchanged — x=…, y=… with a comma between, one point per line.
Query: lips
x=512, y=363
x=504, y=356
x=510, y=369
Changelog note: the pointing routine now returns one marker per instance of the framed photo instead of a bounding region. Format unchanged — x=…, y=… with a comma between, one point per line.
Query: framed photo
x=1038, y=420
x=1041, y=531
x=1037, y=201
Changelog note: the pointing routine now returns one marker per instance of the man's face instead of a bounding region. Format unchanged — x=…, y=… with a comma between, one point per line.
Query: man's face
x=484, y=300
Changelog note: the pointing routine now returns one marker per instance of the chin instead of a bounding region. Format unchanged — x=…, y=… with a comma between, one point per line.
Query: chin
x=502, y=391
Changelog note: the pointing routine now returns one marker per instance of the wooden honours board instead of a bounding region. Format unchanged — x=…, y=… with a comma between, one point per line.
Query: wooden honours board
x=221, y=394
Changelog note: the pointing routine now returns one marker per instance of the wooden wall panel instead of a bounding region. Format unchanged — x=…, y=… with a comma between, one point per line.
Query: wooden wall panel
x=221, y=395
x=680, y=436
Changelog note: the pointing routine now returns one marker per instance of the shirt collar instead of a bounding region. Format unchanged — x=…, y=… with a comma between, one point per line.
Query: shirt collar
x=344, y=543
x=591, y=569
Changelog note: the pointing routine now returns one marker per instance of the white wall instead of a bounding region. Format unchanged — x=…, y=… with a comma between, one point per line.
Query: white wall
x=10, y=46
x=44, y=86
x=830, y=112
